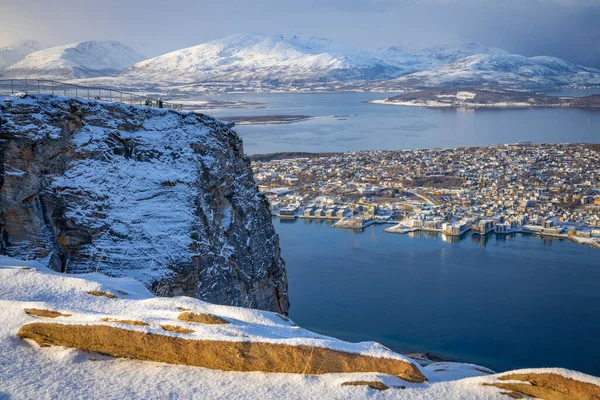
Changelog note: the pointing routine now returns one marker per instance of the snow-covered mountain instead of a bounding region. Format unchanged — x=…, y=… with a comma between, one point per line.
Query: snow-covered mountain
x=448, y=53
x=413, y=60
x=259, y=62
x=10, y=55
x=266, y=59
x=78, y=60
x=502, y=70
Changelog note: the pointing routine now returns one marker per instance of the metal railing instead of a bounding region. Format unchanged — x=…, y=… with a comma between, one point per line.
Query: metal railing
x=43, y=86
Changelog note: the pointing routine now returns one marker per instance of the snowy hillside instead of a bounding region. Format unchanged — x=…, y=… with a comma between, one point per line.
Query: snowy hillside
x=10, y=55
x=41, y=306
x=77, y=60
x=448, y=53
x=502, y=70
x=265, y=58
x=255, y=59
x=270, y=63
x=413, y=60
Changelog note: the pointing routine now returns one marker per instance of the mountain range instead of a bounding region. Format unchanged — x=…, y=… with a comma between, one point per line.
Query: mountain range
x=78, y=60
x=259, y=62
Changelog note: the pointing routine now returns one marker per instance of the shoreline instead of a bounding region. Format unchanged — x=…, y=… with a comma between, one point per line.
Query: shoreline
x=405, y=230
x=474, y=106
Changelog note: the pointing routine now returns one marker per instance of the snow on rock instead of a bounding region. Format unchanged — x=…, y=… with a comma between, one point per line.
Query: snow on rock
x=255, y=61
x=30, y=371
x=167, y=198
x=448, y=53
x=502, y=70
x=78, y=60
x=10, y=55
x=268, y=59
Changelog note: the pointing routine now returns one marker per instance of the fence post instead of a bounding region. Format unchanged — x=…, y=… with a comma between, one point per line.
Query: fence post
x=26, y=86
x=52, y=88
x=110, y=95
x=88, y=94
x=12, y=87
x=38, y=86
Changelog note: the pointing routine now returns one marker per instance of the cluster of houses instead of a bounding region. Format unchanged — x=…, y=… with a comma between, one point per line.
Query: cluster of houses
x=549, y=189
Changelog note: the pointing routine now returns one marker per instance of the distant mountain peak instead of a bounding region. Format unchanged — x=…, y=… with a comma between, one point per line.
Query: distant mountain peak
x=86, y=59
x=15, y=52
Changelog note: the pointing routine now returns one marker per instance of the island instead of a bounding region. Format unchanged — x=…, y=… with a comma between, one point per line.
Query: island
x=487, y=98
x=264, y=119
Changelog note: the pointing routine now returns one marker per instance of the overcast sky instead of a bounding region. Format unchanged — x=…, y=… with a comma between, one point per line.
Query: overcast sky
x=563, y=28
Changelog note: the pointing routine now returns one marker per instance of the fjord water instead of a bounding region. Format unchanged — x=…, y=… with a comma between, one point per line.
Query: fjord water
x=504, y=302
x=350, y=124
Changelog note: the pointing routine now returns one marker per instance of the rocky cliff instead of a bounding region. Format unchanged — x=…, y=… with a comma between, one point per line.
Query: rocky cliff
x=165, y=197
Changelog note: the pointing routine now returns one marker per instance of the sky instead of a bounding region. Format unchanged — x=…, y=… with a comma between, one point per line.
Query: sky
x=568, y=29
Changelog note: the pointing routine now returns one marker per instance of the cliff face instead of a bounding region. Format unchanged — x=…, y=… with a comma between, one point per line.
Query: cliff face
x=165, y=197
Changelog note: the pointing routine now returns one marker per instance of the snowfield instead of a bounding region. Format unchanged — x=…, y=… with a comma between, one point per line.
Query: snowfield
x=30, y=371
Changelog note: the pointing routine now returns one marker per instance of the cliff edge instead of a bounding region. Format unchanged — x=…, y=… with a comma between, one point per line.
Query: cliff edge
x=167, y=198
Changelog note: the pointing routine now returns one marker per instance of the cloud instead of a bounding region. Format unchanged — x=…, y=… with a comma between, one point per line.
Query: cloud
x=563, y=28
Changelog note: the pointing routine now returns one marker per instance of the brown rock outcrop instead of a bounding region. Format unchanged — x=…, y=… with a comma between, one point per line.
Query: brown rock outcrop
x=549, y=386
x=222, y=355
x=201, y=318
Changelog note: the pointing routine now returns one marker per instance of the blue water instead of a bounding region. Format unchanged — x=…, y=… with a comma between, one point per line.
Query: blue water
x=378, y=127
x=505, y=302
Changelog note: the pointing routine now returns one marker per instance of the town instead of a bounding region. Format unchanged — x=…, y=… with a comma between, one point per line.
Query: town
x=548, y=189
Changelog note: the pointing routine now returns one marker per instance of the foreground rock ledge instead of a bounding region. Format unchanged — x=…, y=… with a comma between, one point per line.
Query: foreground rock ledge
x=549, y=386
x=222, y=355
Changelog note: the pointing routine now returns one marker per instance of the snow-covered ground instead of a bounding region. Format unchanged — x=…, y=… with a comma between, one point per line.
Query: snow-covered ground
x=30, y=371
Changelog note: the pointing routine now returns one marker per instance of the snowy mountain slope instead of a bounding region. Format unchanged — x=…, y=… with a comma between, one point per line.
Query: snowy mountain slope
x=413, y=60
x=448, y=53
x=502, y=70
x=10, y=55
x=77, y=60
x=264, y=63
x=29, y=371
x=265, y=58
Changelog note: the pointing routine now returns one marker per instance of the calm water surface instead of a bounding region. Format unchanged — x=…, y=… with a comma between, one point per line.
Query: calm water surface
x=363, y=126
x=504, y=302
